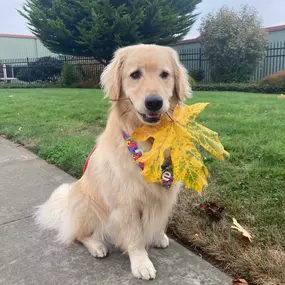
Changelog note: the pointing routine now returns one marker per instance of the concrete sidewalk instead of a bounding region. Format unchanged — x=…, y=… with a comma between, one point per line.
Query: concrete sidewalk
x=29, y=257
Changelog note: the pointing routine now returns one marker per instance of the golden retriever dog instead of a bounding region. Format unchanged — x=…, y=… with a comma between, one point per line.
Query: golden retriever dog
x=112, y=203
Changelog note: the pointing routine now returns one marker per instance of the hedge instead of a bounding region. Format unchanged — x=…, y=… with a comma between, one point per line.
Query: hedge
x=81, y=84
x=242, y=87
x=30, y=85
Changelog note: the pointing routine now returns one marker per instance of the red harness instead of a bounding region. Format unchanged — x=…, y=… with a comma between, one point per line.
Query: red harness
x=88, y=158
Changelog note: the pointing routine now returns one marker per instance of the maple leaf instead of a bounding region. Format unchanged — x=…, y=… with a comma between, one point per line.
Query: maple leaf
x=239, y=228
x=182, y=135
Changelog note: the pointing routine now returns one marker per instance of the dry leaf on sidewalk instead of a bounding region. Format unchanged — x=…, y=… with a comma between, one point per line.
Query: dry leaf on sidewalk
x=239, y=228
x=239, y=281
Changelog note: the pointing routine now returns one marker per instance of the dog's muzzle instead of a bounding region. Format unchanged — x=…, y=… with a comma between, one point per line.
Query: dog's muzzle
x=153, y=104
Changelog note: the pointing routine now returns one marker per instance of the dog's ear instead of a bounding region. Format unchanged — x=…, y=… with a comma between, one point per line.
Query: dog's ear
x=182, y=86
x=111, y=78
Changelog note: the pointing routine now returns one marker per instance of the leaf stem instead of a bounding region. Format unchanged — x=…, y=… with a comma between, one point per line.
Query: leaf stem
x=170, y=117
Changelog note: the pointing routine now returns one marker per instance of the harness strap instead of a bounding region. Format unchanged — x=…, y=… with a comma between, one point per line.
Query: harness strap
x=88, y=158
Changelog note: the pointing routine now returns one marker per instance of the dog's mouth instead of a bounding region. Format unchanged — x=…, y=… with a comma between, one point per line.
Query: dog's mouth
x=151, y=118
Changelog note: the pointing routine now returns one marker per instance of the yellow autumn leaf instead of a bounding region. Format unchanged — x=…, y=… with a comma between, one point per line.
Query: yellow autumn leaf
x=182, y=135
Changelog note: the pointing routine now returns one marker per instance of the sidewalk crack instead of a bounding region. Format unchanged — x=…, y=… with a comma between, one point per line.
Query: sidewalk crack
x=16, y=220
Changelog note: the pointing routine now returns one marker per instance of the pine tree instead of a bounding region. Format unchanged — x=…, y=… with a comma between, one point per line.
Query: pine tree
x=95, y=28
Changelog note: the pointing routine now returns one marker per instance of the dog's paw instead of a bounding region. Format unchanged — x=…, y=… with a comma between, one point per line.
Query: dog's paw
x=143, y=268
x=163, y=242
x=98, y=250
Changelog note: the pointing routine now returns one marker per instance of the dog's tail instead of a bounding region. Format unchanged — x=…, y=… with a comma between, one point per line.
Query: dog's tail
x=55, y=212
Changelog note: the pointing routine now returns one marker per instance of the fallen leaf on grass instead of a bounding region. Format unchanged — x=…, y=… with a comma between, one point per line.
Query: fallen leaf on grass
x=282, y=96
x=11, y=96
x=239, y=228
x=212, y=210
x=239, y=281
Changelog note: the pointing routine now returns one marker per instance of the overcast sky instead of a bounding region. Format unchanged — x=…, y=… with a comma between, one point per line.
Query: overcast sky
x=272, y=12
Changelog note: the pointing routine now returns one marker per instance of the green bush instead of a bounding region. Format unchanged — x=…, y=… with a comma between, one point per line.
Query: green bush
x=233, y=42
x=68, y=76
x=87, y=84
x=197, y=74
x=251, y=87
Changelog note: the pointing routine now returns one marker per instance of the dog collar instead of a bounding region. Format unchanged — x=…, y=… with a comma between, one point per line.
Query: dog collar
x=166, y=168
x=136, y=153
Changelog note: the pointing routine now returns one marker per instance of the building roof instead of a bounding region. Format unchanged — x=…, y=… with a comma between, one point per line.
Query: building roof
x=17, y=36
x=276, y=28
x=189, y=41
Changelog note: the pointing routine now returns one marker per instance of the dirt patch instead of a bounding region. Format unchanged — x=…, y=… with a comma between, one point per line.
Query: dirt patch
x=30, y=145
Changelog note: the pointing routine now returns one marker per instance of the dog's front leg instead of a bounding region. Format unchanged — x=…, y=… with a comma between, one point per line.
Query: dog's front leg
x=141, y=265
x=161, y=240
x=127, y=230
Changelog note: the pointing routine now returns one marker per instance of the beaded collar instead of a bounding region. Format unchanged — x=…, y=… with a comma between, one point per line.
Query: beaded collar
x=167, y=170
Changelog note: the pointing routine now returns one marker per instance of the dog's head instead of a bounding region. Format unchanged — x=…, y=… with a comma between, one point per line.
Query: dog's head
x=150, y=76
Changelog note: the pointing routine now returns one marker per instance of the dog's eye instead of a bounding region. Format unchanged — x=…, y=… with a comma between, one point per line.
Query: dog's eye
x=164, y=74
x=136, y=75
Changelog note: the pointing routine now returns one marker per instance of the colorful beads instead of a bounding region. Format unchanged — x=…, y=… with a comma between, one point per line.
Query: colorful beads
x=141, y=165
x=166, y=168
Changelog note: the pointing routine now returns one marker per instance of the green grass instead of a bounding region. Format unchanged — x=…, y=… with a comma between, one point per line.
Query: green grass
x=252, y=129
x=61, y=125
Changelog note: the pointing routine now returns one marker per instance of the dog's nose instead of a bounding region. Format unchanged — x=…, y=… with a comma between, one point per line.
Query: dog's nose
x=153, y=102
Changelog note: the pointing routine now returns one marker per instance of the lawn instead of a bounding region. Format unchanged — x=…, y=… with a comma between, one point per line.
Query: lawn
x=61, y=125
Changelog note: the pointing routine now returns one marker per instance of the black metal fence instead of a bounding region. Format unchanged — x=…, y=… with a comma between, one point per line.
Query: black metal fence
x=49, y=69
x=273, y=61
x=193, y=59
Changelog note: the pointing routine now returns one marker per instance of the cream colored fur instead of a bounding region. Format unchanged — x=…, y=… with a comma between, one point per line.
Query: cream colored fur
x=112, y=200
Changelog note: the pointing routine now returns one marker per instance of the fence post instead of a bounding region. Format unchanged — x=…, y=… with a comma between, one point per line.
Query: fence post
x=283, y=65
x=200, y=58
x=5, y=72
x=28, y=67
